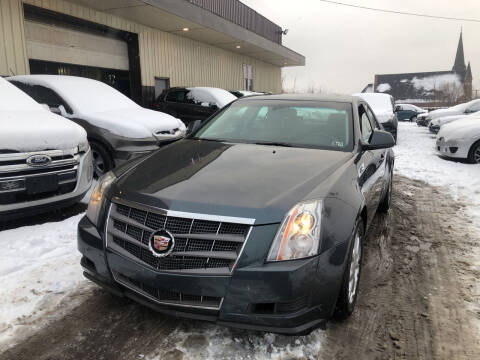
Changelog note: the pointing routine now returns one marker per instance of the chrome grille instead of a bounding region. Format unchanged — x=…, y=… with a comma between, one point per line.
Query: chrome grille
x=169, y=297
x=16, y=175
x=201, y=246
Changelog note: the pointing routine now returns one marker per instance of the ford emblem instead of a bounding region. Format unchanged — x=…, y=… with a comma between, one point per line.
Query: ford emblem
x=39, y=160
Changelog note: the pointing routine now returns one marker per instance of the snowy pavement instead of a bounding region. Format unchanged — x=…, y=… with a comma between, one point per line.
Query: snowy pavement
x=416, y=158
x=42, y=280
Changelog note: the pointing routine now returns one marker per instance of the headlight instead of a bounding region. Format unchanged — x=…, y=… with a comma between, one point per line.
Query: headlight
x=98, y=196
x=299, y=235
x=83, y=147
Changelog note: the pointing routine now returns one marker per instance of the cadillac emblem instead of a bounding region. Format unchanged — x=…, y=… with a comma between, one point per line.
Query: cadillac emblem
x=161, y=243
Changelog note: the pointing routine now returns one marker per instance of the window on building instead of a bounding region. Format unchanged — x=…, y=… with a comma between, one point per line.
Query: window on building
x=247, y=77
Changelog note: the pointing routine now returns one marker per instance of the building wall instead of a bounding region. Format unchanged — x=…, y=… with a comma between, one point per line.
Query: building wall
x=13, y=58
x=186, y=62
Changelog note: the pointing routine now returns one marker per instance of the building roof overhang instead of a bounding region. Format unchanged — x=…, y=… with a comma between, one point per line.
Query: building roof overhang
x=173, y=16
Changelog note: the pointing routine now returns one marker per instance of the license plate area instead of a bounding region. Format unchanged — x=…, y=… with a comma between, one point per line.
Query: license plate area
x=41, y=184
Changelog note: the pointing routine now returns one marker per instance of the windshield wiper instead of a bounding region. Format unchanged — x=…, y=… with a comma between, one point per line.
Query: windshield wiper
x=274, y=143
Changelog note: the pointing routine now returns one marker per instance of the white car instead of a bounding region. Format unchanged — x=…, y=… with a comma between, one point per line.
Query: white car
x=437, y=123
x=383, y=106
x=460, y=109
x=45, y=159
x=118, y=129
x=460, y=139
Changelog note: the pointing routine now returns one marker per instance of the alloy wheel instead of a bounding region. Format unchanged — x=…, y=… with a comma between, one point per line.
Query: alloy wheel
x=476, y=155
x=354, y=269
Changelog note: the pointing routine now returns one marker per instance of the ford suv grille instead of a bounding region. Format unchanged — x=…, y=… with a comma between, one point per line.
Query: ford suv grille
x=201, y=246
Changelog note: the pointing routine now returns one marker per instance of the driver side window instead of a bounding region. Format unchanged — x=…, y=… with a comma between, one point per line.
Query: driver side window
x=365, y=125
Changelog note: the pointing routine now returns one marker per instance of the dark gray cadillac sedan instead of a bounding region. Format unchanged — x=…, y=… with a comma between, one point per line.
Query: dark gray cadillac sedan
x=254, y=220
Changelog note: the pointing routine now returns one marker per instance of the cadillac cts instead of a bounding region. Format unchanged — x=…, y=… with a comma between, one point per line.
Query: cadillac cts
x=254, y=220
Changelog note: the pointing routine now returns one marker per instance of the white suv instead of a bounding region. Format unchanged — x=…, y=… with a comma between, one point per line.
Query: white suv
x=45, y=159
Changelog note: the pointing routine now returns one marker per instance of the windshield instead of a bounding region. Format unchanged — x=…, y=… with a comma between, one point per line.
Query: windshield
x=290, y=123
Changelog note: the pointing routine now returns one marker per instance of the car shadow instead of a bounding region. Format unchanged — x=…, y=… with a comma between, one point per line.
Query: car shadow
x=50, y=216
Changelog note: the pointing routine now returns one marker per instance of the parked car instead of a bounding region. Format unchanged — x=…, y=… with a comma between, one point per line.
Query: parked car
x=408, y=112
x=460, y=109
x=45, y=160
x=422, y=119
x=460, y=139
x=193, y=103
x=254, y=220
x=437, y=123
x=118, y=129
x=383, y=106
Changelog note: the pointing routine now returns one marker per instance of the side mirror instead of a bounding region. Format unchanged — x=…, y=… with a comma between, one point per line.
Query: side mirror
x=193, y=126
x=380, y=140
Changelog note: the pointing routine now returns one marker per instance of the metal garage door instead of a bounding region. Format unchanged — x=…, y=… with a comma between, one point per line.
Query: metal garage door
x=63, y=45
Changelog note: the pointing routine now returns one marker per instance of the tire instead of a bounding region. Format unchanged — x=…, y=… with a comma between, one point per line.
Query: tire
x=413, y=118
x=102, y=160
x=351, y=277
x=387, y=199
x=474, y=153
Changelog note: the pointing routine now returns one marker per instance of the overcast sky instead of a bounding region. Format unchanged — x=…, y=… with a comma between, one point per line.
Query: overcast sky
x=344, y=47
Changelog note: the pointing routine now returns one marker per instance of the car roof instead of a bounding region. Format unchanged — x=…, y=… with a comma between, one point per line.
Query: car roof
x=304, y=97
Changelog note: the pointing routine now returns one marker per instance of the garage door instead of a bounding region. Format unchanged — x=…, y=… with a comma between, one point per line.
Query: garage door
x=63, y=45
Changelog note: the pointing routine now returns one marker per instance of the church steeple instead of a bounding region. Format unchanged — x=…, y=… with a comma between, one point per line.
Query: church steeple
x=459, y=65
x=468, y=75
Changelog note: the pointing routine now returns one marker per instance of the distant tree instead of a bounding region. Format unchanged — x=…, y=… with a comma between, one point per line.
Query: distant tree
x=450, y=93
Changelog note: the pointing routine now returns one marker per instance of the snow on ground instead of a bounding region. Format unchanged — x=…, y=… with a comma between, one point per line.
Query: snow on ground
x=39, y=269
x=416, y=158
x=202, y=340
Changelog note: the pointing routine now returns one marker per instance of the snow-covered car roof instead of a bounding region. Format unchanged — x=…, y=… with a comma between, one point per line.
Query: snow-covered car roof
x=103, y=106
x=85, y=96
x=378, y=102
x=212, y=96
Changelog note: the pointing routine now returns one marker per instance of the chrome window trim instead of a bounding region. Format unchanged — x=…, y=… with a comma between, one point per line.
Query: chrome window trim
x=188, y=215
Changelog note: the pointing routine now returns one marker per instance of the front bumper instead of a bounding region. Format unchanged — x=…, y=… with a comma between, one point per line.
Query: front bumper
x=453, y=149
x=289, y=297
x=28, y=208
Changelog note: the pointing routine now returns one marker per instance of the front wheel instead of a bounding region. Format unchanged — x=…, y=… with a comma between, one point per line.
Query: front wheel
x=351, y=278
x=413, y=118
x=102, y=161
x=474, y=153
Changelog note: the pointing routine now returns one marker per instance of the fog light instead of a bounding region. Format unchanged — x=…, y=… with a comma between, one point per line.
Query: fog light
x=453, y=149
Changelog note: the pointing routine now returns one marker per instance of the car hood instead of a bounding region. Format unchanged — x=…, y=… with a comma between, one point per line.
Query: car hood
x=462, y=129
x=238, y=180
x=136, y=122
x=447, y=119
x=26, y=131
x=444, y=112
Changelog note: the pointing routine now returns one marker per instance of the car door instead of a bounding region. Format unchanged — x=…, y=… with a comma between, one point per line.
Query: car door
x=401, y=112
x=371, y=165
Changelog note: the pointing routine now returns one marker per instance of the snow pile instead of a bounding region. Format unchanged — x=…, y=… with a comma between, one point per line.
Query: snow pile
x=416, y=158
x=436, y=82
x=201, y=340
x=103, y=106
x=383, y=87
x=210, y=96
x=39, y=268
